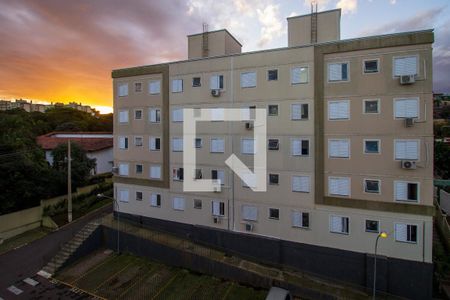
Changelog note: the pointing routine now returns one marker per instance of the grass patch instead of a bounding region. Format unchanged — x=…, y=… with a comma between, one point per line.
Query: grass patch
x=23, y=239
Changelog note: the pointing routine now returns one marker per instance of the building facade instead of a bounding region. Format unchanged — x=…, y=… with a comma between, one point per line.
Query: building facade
x=349, y=148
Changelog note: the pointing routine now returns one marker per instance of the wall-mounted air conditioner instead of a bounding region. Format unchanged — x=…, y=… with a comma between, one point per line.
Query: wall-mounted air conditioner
x=248, y=125
x=408, y=164
x=409, y=122
x=248, y=227
x=215, y=93
x=216, y=220
x=407, y=79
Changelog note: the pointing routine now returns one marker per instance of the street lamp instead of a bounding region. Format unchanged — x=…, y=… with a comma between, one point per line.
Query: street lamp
x=380, y=235
x=118, y=217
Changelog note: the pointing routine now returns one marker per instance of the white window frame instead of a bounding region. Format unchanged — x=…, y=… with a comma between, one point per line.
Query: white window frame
x=301, y=142
x=300, y=80
x=215, y=208
x=121, y=192
x=126, y=167
x=211, y=145
x=405, y=56
x=220, y=175
x=156, y=110
x=142, y=86
x=217, y=81
x=243, y=141
x=135, y=138
x=339, y=102
x=372, y=193
x=364, y=66
x=406, y=241
x=154, y=84
x=136, y=193
x=151, y=170
x=272, y=69
x=308, y=190
x=339, y=157
x=155, y=202
x=372, y=231
x=142, y=114
x=407, y=141
x=177, y=85
x=122, y=89
x=127, y=118
x=372, y=140
x=406, y=200
x=340, y=178
x=251, y=74
x=339, y=232
x=177, y=114
x=127, y=144
x=150, y=143
x=370, y=100
x=301, y=226
x=181, y=206
x=176, y=140
x=337, y=63
x=406, y=99
x=278, y=110
x=254, y=209
x=301, y=111
x=272, y=218
x=135, y=168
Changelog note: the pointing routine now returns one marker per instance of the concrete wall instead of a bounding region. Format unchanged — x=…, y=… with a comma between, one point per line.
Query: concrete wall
x=18, y=222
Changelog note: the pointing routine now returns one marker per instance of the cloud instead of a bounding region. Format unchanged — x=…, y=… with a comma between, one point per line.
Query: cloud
x=271, y=25
x=347, y=6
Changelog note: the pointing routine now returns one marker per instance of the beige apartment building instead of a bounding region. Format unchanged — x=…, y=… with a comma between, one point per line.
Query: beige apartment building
x=349, y=151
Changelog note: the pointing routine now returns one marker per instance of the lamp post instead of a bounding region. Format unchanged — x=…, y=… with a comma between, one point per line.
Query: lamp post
x=380, y=235
x=118, y=217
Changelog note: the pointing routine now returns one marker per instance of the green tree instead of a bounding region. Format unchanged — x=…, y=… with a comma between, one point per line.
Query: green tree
x=442, y=160
x=81, y=165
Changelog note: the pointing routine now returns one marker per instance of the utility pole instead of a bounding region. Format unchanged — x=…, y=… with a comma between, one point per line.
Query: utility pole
x=69, y=183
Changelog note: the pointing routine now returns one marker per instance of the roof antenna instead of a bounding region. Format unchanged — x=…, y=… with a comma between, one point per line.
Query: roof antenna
x=314, y=9
x=205, y=43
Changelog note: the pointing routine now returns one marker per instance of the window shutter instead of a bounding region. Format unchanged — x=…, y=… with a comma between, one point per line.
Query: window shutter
x=248, y=79
x=296, y=147
x=153, y=115
x=338, y=110
x=123, y=116
x=401, y=190
x=155, y=172
x=217, y=145
x=248, y=146
x=249, y=213
x=122, y=142
x=177, y=85
x=401, y=232
x=123, y=90
x=152, y=143
x=123, y=195
x=339, y=186
x=296, y=111
x=406, y=150
x=123, y=169
x=336, y=224
x=177, y=144
x=154, y=199
x=178, y=203
x=295, y=75
x=177, y=115
x=406, y=108
x=216, y=208
x=214, y=82
x=339, y=148
x=335, y=72
x=296, y=219
x=221, y=176
x=300, y=184
x=154, y=87
x=405, y=66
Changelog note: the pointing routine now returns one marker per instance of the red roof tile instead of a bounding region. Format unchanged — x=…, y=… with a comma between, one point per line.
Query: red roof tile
x=50, y=142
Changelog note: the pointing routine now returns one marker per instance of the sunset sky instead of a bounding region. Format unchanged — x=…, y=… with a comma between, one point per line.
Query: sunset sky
x=55, y=50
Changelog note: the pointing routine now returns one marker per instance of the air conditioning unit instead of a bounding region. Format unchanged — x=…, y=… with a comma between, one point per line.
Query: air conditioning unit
x=248, y=227
x=216, y=220
x=407, y=79
x=215, y=93
x=409, y=122
x=248, y=125
x=217, y=189
x=408, y=164
x=115, y=170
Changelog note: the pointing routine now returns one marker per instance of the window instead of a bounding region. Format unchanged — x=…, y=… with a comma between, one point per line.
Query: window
x=405, y=65
x=406, y=191
x=248, y=146
x=274, y=144
x=155, y=143
x=274, y=213
x=217, y=114
x=138, y=196
x=372, y=186
x=272, y=75
x=123, y=89
x=372, y=226
x=371, y=66
x=339, y=186
x=339, y=110
x=123, y=142
x=338, y=148
x=124, y=195
x=407, y=149
x=218, y=175
x=177, y=115
x=197, y=204
x=248, y=79
x=138, y=87
x=138, y=141
x=249, y=213
x=123, y=116
x=196, y=82
x=139, y=168
x=273, y=110
x=299, y=75
x=155, y=115
x=300, y=219
x=198, y=142
x=154, y=87
x=218, y=208
x=217, y=145
x=339, y=224
x=155, y=200
x=299, y=147
x=405, y=233
x=123, y=169
x=299, y=112
x=178, y=203
x=338, y=72
x=138, y=114
x=406, y=108
x=371, y=146
x=177, y=85
x=274, y=179
x=216, y=82
x=177, y=145
x=371, y=106
x=198, y=174
x=300, y=184
x=155, y=172
x=178, y=174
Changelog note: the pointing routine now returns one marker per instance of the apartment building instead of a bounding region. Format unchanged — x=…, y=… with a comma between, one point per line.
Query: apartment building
x=349, y=151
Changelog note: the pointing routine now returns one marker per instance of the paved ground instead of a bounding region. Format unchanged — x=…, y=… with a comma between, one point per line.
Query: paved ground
x=16, y=265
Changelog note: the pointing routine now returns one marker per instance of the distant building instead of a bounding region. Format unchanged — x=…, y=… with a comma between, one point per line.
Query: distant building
x=98, y=145
x=29, y=106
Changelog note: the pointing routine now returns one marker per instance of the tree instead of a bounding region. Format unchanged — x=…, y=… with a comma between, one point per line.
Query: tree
x=442, y=160
x=81, y=164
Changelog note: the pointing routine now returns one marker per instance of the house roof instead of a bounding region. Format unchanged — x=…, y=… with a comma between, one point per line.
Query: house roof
x=50, y=140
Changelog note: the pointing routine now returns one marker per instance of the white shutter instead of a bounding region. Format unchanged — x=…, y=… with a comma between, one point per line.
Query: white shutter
x=124, y=195
x=123, y=169
x=152, y=143
x=123, y=116
x=177, y=85
x=338, y=110
x=177, y=144
x=177, y=115
x=405, y=66
x=214, y=82
x=217, y=145
x=248, y=146
x=123, y=90
x=122, y=144
x=178, y=203
x=339, y=186
x=296, y=147
x=407, y=149
x=401, y=190
x=336, y=224
x=249, y=212
x=153, y=115
x=339, y=148
x=155, y=172
x=154, y=87
x=299, y=75
x=248, y=79
x=296, y=111
x=300, y=184
x=216, y=208
x=406, y=108
x=334, y=72
x=217, y=114
x=154, y=199
x=296, y=219
x=221, y=176
x=401, y=232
